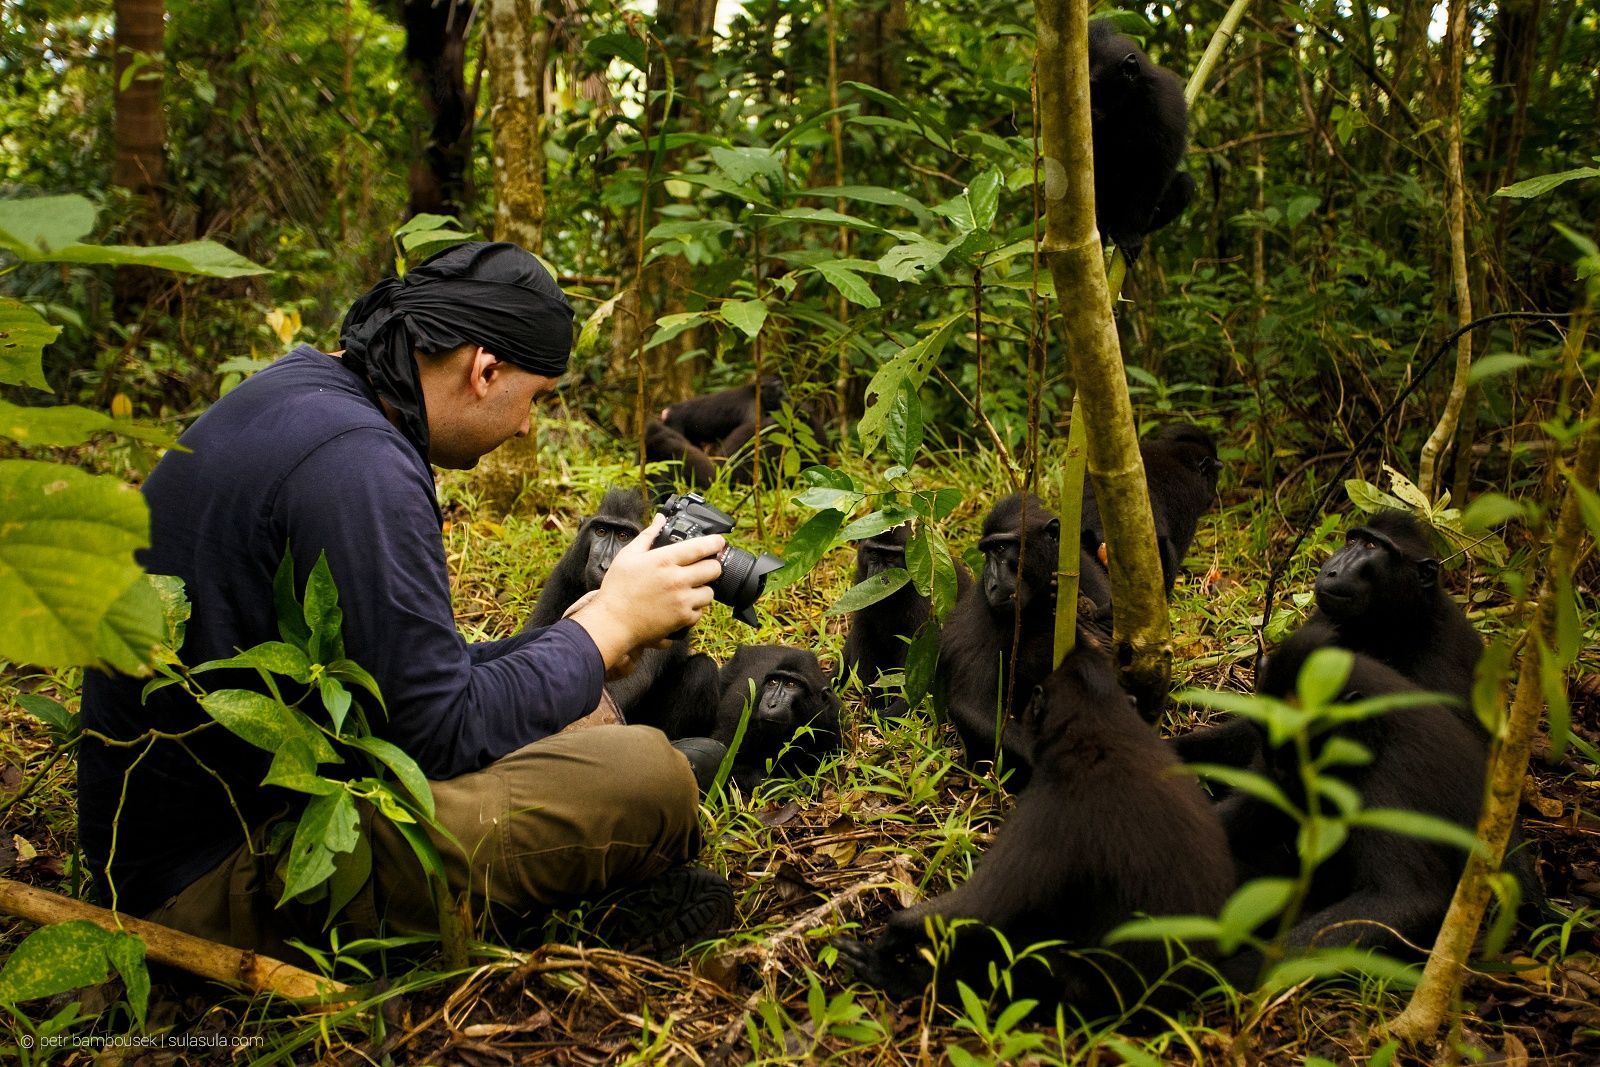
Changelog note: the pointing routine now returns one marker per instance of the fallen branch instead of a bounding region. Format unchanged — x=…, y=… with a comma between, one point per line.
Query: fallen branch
x=251, y=972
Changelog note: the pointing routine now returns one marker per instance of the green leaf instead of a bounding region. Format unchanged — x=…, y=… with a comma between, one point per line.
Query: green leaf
x=32, y=227
x=983, y=199
x=1369, y=497
x=869, y=591
x=1329, y=836
x=65, y=425
x=1488, y=681
x=876, y=522
x=278, y=657
x=294, y=766
x=870, y=194
x=1558, y=710
x=175, y=608
x=1322, y=676
x=908, y=261
x=743, y=165
x=922, y=662
x=427, y=221
x=670, y=326
x=67, y=540
x=819, y=497
x=23, y=336
x=126, y=953
x=1255, y=785
x=1334, y=962
x=329, y=824
x=904, y=429
x=747, y=315
x=1588, y=504
x=1251, y=905
x=335, y=701
x=63, y=724
x=808, y=545
x=721, y=184
x=850, y=285
x=255, y=717
x=695, y=228
x=911, y=365
x=1490, y=510
x=623, y=46
x=1494, y=365
x=347, y=670
x=206, y=258
x=352, y=871
x=55, y=959
x=133, y=629
x=291, y=618
x=1544, y=183
x=322, y=613
x=266, y=723
x=402, y=766
x=1416, y=824
x=1162, y=927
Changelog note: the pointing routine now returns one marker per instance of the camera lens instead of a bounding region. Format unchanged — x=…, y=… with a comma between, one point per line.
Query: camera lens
x=743, y=576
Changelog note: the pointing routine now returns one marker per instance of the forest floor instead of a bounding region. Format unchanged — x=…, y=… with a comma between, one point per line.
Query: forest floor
x=894, y=818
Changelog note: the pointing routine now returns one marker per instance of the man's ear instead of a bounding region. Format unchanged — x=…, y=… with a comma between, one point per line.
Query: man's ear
x=481, y=368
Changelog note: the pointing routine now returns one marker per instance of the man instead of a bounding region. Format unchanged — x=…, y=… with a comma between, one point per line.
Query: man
x=330, y=453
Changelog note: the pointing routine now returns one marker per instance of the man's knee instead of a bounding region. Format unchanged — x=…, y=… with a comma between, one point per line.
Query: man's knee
x=646, y=774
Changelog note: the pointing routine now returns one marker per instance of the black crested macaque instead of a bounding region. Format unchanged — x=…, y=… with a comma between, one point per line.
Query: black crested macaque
x=881, y=633
x=794, y=720
x=691, y=466
x=1380, y=595
x=1110, y=828
x=1141, y=128
x=1180, y=473
x=709, y=419
x=668, y=688
x=1020, y=543
x=1379, y=888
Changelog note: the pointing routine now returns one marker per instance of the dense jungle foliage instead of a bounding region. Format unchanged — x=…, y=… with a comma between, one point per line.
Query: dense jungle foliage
x=846, y=194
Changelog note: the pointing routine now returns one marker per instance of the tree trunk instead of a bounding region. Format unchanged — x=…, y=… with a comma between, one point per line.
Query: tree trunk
x=1073, y=250
x=140, y=129
x=877, y=32
x=1508, y=765
x=436, y=50
x=518, y=44
x=1456, y=218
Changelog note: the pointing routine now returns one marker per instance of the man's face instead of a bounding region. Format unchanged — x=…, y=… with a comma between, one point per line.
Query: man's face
x=476, y=403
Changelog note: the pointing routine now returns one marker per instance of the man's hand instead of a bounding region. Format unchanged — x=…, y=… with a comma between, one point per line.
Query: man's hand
x=650, y=593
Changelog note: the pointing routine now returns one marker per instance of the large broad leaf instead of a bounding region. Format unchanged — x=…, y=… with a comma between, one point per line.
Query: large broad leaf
x=871, y=194
x=70, y=955
x=329, y=825
x=809, y=544
x=23, y=336
x=850, y=285
x=133, y=629
x=37, y=225
x=67, y=540
x=911, y=366
x=50, y=229
x=402, y=766
x=206, y=258
x=66, y=425
x=1545, y=182
x=266, y=723
x=744, y=164
x=748, y=315
x=870, y=590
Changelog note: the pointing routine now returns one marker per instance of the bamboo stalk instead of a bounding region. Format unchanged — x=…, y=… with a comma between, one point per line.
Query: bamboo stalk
x=252, y=972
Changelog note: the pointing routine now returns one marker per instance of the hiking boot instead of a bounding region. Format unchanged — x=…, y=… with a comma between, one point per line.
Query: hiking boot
x=705, y=758
x=670, y=911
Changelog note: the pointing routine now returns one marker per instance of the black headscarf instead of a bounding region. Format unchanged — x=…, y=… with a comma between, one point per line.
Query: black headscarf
x=479, y=293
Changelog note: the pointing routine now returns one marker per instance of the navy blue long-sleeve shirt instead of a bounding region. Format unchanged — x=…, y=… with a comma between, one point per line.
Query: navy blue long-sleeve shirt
x=302, y=455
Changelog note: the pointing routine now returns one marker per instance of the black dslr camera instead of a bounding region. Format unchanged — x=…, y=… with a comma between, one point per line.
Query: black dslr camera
x=744, y=574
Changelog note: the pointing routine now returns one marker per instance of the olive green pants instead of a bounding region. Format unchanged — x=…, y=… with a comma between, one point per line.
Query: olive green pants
x=558, y=821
